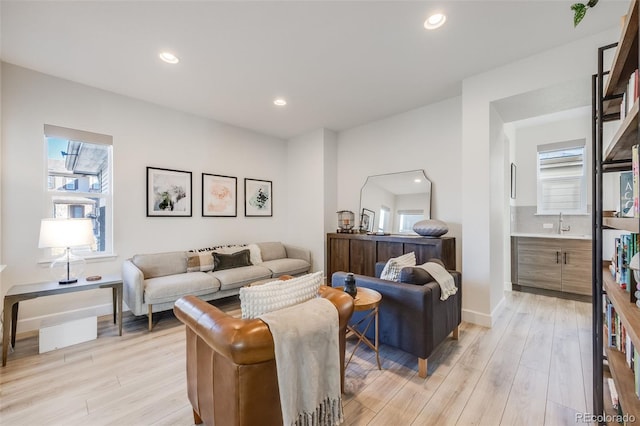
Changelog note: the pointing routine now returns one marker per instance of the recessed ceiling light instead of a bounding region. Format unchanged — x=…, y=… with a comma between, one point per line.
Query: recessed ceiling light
x=169, y=57
x=280, y=102
x=417, y=180
x=435, y=21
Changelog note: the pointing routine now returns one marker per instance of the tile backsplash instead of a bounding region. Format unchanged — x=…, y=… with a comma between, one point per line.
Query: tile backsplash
x=525, y=220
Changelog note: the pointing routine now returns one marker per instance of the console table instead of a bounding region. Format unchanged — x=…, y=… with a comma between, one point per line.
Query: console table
x=358, y=253
x=19, y=293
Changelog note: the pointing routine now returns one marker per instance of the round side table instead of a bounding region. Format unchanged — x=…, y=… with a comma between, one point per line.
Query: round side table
x=366, y=300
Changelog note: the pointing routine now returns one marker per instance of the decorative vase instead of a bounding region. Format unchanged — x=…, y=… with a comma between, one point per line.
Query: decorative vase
x=430, y=228
x=350, y=285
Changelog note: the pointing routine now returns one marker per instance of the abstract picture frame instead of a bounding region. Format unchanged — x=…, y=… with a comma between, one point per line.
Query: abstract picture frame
x=367, y=220
x=219, y=195
x=258, y=198
x=169, y=193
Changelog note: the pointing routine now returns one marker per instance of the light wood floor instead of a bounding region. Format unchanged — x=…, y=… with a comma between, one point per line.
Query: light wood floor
x=532, y=368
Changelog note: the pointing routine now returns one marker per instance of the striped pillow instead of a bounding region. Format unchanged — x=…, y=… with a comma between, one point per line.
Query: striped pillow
x=199, y=262
x=391, y=271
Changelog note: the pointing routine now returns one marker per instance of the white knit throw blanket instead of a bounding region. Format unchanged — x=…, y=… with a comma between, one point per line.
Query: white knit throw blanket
x=307, y=354
x=442, y=277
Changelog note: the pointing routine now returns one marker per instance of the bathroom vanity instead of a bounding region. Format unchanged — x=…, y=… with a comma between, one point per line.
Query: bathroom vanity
x=551, y=262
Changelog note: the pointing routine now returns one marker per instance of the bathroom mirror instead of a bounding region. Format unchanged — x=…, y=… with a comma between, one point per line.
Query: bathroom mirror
x=393, y=202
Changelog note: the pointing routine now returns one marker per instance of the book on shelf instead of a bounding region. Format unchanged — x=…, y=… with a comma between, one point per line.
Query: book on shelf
x=636, y=371
x=613, y=392
x=626, y=246
x=611, y=327
x=630, y=95
x=635, y=171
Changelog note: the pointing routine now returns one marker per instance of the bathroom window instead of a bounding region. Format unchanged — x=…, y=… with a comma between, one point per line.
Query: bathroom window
x=562, y=183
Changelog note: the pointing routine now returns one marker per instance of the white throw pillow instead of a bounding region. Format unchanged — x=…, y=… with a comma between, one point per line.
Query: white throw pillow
x=391, y=271
x=260, y=299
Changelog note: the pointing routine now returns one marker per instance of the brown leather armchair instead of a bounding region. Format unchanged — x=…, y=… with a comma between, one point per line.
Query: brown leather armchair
x=231, y=367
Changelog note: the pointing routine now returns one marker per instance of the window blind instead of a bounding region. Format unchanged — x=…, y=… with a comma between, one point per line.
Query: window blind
x=561, y=177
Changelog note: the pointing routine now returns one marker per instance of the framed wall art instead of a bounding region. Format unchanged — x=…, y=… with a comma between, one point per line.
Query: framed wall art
x=168, y=192
x=258, y=197
x=367, y=220
x=219, y=195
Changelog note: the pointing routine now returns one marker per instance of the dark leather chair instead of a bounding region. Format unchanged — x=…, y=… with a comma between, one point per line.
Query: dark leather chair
x=412, y=317
x=231, y=367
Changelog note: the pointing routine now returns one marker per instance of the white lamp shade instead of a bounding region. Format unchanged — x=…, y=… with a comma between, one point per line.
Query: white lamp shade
x=66, y=233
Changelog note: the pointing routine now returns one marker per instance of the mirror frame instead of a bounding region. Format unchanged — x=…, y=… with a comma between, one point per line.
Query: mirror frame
x=426, y=216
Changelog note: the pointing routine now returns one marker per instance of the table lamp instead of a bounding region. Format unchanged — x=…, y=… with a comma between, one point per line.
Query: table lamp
x=66, y=233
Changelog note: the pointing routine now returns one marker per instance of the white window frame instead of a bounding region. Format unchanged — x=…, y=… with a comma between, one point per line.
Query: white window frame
x=407, y=218
x=51, y=195
x=542, y=207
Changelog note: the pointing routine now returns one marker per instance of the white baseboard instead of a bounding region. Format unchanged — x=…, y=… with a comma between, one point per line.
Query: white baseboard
x=480, y=318
x=508, y=286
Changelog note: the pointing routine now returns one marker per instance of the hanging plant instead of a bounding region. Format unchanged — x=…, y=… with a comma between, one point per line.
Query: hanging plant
x=580, y=10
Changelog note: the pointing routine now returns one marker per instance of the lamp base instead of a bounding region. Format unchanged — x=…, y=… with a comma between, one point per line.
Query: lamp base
x=67, y=268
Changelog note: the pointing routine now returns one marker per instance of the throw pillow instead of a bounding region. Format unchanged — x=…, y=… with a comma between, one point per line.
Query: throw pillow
x=417, y=275
x=227, y=261
x=258, y=300
x=254, y=251
x=391, y=271
x=199, y=262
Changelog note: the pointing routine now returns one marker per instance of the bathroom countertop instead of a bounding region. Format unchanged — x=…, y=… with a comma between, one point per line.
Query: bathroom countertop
x=567, y=236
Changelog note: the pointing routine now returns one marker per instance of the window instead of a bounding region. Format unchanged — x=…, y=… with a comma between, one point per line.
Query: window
x=383, y=223
x=562, y=184
x=79, y=166
x=408, y=218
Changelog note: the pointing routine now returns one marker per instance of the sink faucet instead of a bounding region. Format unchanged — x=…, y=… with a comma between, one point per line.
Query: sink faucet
x=561, y=228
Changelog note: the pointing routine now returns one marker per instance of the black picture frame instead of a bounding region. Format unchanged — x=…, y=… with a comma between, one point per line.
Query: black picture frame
x=367, y=220
x=219, y=195
x=169, y=193
x=258, y=198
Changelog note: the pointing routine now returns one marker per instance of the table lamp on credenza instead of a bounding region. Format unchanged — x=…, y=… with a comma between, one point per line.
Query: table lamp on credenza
x=66, y=233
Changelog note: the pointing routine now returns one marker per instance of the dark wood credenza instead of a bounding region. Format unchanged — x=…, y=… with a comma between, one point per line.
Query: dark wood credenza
x=358, y=253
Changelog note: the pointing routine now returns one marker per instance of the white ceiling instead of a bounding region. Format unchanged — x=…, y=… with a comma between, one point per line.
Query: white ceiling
x=339, y=64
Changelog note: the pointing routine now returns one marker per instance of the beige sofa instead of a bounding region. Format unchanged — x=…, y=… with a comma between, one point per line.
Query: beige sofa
x=153, y=282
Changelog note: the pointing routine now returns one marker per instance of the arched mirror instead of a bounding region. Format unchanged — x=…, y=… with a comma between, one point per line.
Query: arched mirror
x=393, y=202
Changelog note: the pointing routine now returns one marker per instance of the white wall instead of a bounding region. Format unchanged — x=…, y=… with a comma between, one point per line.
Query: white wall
x=424, y=138
x=499, y=196
x=143, y=135
x=311, y=185
x=478, y=92
x=564, y=126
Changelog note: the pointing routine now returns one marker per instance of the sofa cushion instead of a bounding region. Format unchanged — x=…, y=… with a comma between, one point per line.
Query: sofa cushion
x=200, y=262
x=391, y=271
x=237, y=277
x=228, y=261
x=272, y=251
x=169, y=288
x=286, y=266
x=161, y=264
x=417, y=275
x=258, y=300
